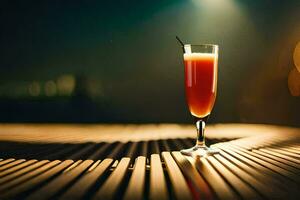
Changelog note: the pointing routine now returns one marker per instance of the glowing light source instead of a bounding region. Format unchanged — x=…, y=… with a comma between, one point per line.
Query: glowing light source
x=296, y=56
x=294, y=82
x=34, y=89
x=66, y=84
x=50, y=88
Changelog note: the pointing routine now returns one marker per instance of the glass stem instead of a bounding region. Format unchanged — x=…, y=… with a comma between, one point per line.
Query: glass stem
x=200, y=125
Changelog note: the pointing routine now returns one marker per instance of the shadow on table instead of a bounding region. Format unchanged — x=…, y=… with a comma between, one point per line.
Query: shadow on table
x=92, y=150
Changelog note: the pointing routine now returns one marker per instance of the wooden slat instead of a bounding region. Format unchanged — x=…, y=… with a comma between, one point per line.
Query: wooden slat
x=158, y=187
x=132, y=150
x=81, y=187
x=116, y=151
x=16, y=175
x=265, y=190
x=259, y=168
x=82, y=151
x=278, y=167
x=177, y=144
x=99, y=153
x=101, y=148
x=216, y=182
x=144, y=149
x=274, y=160
x=3, y=162
x=292, y=149
x=285, y=157
x=46, y=151
x=136, y=184
x=165, y=145
x=283, y=151
x=36, y=180
x=255, y=174
x=204, y=192
x=295, y=147
x=17, y=167
x=178, y=182
x=11, y=164
x=155, y=147
x=61, y=153
x=277, y=170
x=112, y=184
x=243, y=189
x=60, y=182
x=279, y=159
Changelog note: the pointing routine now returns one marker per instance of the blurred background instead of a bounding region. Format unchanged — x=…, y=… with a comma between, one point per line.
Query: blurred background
x=118, y=61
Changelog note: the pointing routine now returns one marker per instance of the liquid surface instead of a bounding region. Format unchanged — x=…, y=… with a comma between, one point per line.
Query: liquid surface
x=200, y=82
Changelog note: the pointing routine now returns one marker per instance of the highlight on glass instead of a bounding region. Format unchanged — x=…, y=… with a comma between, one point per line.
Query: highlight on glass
x=201, y=73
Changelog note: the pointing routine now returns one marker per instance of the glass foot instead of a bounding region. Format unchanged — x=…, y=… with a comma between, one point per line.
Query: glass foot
x=199, y=151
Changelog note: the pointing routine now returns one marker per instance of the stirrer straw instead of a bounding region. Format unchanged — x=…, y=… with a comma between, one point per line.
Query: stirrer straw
x=181, y=43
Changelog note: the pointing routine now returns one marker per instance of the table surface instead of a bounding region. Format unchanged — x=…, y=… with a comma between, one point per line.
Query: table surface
x=45, y=161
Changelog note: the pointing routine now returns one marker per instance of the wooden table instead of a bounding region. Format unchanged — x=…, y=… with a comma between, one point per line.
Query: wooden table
x=143, y=162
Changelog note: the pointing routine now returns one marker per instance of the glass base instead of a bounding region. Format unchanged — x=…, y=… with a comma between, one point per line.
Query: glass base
x=199, y=151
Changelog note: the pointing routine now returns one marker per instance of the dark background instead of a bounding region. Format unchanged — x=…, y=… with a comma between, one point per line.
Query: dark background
x=118, y=61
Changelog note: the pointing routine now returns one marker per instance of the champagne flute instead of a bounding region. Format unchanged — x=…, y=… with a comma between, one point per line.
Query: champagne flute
x=201, y=69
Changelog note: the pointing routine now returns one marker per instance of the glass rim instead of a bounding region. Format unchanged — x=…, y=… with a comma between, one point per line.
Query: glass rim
x=210, y=45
